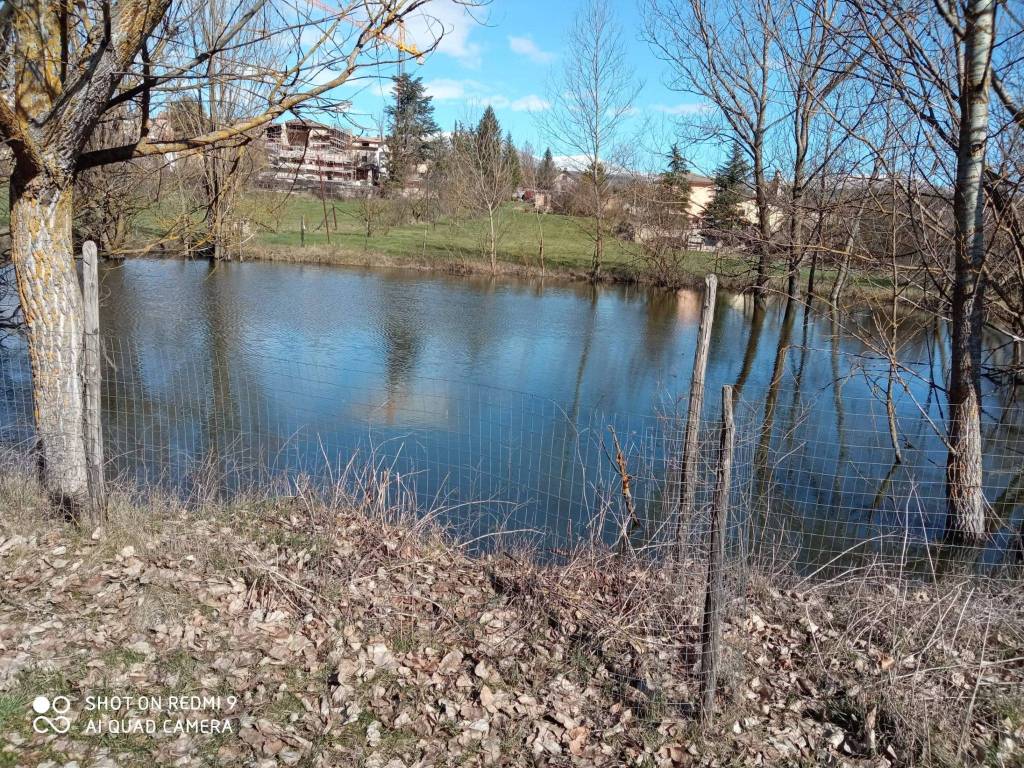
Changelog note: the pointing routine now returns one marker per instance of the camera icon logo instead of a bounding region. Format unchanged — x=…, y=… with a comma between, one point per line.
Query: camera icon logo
x=44, y=723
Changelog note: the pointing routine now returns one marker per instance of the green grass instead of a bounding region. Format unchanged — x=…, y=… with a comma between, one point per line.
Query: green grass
x=568, y=245
x=458, y=245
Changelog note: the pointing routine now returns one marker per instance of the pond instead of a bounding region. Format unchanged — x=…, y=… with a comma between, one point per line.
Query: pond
x=500, y=399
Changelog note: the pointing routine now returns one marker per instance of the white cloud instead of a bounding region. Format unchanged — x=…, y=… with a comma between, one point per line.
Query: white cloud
x=476, y=93
x=681, y=109
x=444, y=89
x=450, y=21
x=531, y=103
x=525, y=46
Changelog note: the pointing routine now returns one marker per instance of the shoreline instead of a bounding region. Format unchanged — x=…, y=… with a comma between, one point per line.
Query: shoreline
x=614, y=274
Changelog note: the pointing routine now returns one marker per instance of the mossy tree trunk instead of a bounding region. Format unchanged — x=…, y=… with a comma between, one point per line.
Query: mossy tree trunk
x=41, y=251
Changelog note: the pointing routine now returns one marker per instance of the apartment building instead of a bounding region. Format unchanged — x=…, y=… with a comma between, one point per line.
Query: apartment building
x=303, y=154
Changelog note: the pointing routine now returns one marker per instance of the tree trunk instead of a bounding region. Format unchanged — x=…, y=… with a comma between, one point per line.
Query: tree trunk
x=796, y=253
x=763, y=226
x=796, y=214
x=965, y=520
x=811, y=277
x=51, y=300
x=492, y=246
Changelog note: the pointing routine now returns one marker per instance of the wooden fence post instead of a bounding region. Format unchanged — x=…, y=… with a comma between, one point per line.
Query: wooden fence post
x=688, y=484
x=93, y=375
x=714, y=599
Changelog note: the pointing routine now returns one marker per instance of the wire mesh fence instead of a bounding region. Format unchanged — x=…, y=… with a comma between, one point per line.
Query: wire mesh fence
x=817, y=481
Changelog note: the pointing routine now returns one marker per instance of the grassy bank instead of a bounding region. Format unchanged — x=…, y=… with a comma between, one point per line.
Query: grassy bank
x=446, y=245
x=460, y=247
x=352, y=634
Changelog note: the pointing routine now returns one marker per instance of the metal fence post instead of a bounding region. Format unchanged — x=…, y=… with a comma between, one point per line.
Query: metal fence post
x=688, y=485
x=93, y=376
x=711, y=630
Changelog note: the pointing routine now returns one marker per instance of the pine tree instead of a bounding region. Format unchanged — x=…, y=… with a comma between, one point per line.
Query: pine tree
x=411, y=129
x=595, y=175
x=675, y=181
x=731, y=184
x=488, y=133
x=512, y=161
x=547, y=172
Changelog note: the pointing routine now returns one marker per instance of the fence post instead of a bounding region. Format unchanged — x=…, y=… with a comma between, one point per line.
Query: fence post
x=302, y=231
x=688, y=485
x=93, y=376
x=713, y=599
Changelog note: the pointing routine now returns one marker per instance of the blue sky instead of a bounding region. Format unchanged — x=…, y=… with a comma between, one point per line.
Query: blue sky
x=506, y=57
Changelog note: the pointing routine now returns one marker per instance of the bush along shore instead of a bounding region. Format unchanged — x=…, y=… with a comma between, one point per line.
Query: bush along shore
x=311, y=631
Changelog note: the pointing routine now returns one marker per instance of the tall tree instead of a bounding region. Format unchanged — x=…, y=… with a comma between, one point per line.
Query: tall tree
x=513, y=161
x=732, y=188
x=546, y=171
x=722, y=52
x=483, y=175
x=940, y=63
x=411, y=129
x=813, y=42
x=591, y=100
x=488, y=131
x=675, y=181
x=63, y=69
x=965, y=491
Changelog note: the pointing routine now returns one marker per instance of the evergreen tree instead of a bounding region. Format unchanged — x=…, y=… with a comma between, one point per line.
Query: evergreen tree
x=488, y=134
x=731, y=184
x=675, y=181
x=490, y=147
x=512, y=161
x=595, y=175
x=411, y=129
x=547, y=172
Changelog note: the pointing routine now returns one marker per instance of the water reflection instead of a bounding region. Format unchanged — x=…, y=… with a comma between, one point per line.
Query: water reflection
x=497, y=395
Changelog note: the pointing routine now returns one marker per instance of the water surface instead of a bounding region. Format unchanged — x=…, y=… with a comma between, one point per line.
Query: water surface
x=499, y=399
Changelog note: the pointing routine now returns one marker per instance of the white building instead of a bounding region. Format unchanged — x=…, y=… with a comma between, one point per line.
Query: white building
x=303, y=154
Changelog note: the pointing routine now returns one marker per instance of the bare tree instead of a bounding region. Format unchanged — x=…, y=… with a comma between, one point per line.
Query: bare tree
x=592, y=98
x=812, y=46
x=965, y=492
x=482, y=176
x=64, y=68
x=721, y=51
x=938, y=59
x=528, y=167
